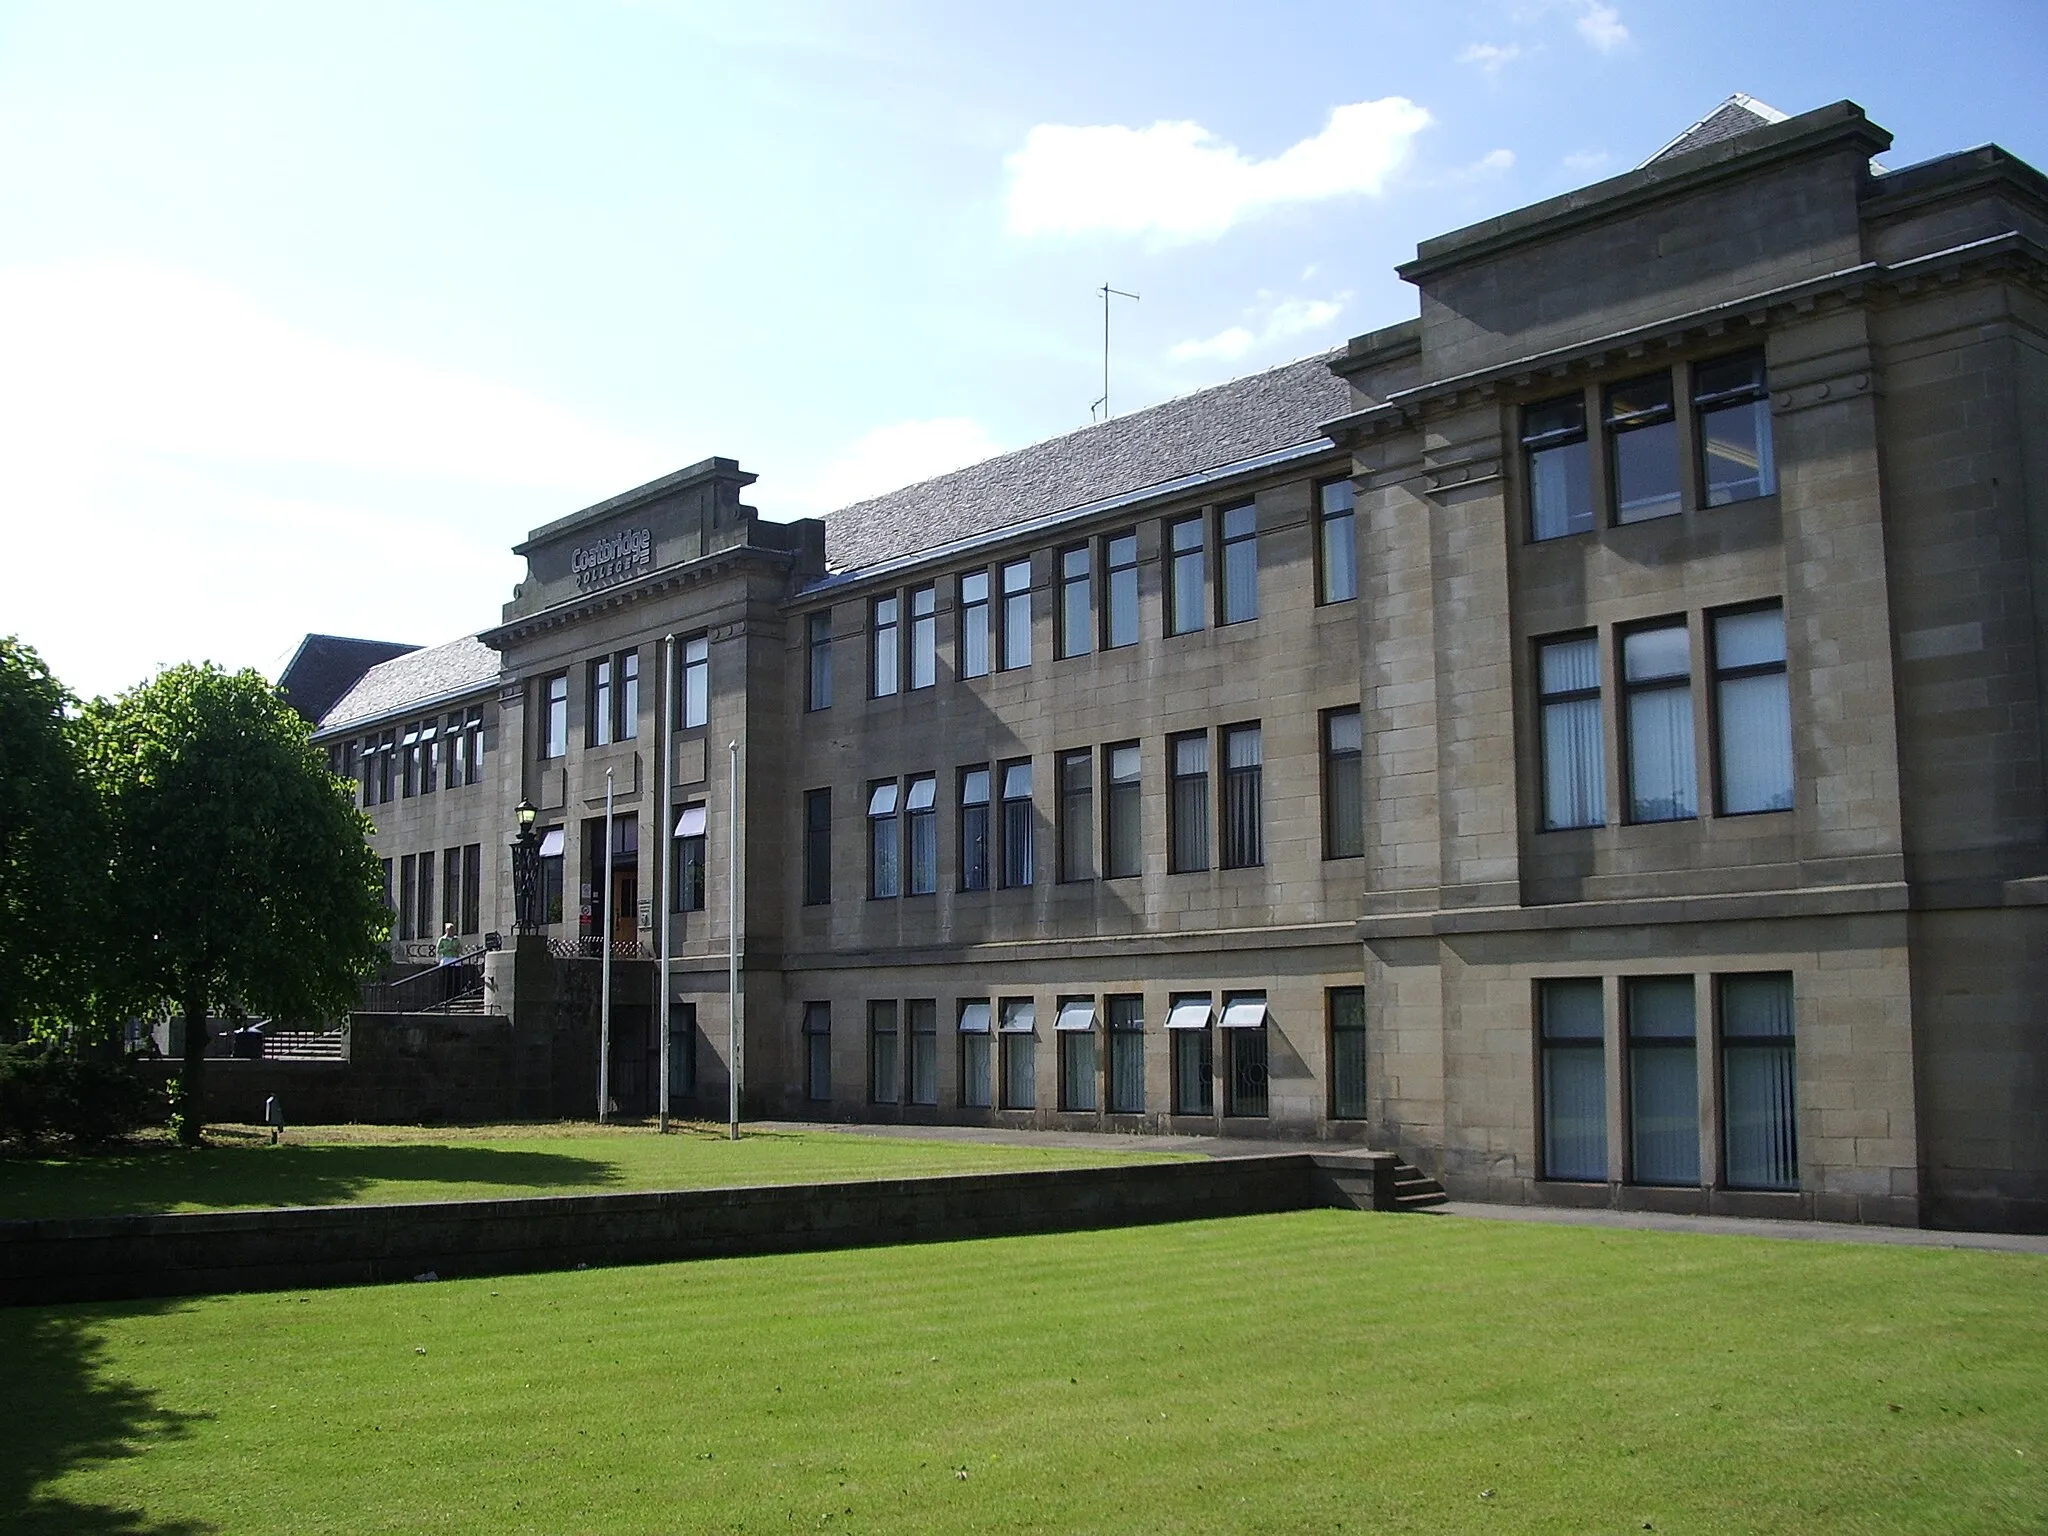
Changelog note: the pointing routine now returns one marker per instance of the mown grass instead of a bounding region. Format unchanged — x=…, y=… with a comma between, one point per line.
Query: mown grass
x=1325, y=1371
x=337, y=1165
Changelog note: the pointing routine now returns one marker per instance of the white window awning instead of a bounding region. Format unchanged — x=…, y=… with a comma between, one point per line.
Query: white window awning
x=1019, y=1017
x=691, y=822
x=1076, y=1013
x=551, y=843
x=1245, y=1010
x=924, y=793
x=882, y=802
x=1189, y=1013
x=974, y=1018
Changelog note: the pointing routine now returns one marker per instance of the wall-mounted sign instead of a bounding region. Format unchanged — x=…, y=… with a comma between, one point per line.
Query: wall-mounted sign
x=615, y=558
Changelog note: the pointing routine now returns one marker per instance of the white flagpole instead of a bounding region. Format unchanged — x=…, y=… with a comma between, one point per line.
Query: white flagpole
x=604, y=1007
x=666, y=831
x=732, y=939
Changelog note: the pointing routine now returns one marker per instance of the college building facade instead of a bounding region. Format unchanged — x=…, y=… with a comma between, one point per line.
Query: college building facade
x=1587, y=739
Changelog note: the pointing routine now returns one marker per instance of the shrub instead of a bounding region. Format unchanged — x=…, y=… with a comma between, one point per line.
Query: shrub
x=46, y=1092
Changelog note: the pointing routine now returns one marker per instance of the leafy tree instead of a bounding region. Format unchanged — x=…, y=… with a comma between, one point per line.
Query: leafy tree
x=243, y=882
x=53, y=866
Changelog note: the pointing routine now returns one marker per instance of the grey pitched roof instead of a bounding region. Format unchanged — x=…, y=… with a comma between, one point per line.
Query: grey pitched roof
x=325, y=667
x=1280, y=408
x=1737, y=115
x=418, y=677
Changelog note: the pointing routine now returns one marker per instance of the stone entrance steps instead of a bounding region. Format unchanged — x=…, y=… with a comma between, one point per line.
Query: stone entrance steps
x=1415, y=1190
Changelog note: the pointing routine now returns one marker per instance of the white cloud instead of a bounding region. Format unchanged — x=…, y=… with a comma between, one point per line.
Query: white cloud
x=1276, y=319
x=1226, y=345
x=1587, y=162
x=1178, y=181
x=1601, y=26
x=888, y=458
x=1490, y=57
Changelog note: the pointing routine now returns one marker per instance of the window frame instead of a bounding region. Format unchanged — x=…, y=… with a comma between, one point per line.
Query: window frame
x=1123, y=1017
x=1120, y=591
x=1123, y=812
x=1187, y=574
x=1237, y=562
x=885, y=1066
x=976, y=839
x=1581, y=513
x=817, y=847
x=690, y=856
x=1661, y=1050
x=976, y=1063
x=818, y=660
x=1199, y=1044
x=1343, y=783
x=552, y=691
x=817, y=1033
x=1549, y=705
x=1632, y=733
x=1336, y=528
x=1619, y=423
x=885, y=839
x=693, y=695
x=1077, y=587
x=1014, y=581
x=1555, y=1048
x=921, y=1057
x=885, y=645
x=1710, y=403
x=923, y=669
x=1187, y=805
x=1720, y=676
x=1344, y=1017
x=1074, y=775
x=1733, y=1048
x=1241, y=835
x=1069, y=1043
x=1018, y=1068
x=974, y=651
x=1018, y=824
x=921, y=835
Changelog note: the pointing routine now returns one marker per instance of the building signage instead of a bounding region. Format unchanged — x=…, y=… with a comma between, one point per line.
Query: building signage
x=613, y=559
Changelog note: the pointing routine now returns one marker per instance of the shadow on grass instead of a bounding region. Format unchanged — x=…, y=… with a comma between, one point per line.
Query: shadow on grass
x=232, y=1178
x=64, y=1412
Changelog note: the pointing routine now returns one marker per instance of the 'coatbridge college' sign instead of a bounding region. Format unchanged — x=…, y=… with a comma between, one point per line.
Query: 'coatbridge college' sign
x=612, y=559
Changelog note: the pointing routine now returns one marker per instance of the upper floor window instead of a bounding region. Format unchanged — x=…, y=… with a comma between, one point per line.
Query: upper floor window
x=974, y=829
x=1560, y=473
x=1734, y=414
x=1752, y=711
x=1120, y=594
x=409, y=761
x=1244, y=837
x=1123, y=839
x=1656, y=677
x=1019, y=825
x=1017, y=614
x=885, y=647
x=1077, y=635
x=689, y=861
x=464, y=736
x=924, y=636
x=817, y=846
x=554, y=731
x=974, y=624
x=1077, y=815
x=921, y=813
x=1336, y=543
x=818, y=660
x=695, y=699
x=613, y=697
x=1568, y=690
x=1187, y=809
x=1642, y=445
x=597, y=699
x=1187, y=576
x=885, y=867
x=1343, y=784
x=1240, y=594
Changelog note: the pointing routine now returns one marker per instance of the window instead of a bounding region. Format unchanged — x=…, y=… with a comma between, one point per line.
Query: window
x=1244, y=842
x=1244, y=1027
x=1187, y=576
x=408, y=896
x=1752, y=711
x=1642, y=448
x=1194, y=1060
x=1560, y=473
x=818, y=1052
x=1760, y=1148
x=554, y=734
x=974, y=624
x=471, y=920
x=695, y=699
x=1656, y=674
x=626, y=724
x=885, y=846
x=924, y=636
x=1663, y=1081
x=1336, y=543
x=1019, y=828
x=386, y=866
x=818, y=660
x=409, y=762
x=430, y=756
x=922, y=1018
x=688, y=883
x=1017, y=614
x=1240, y=595
x=974, y=1055
x=817, y=846
x=1077, y=634
x=1347, y=1053
x=597, y=700
x=885, y=647
x=1734, y=411
x=613, y=701
x=682, y=1052
x=974, y=843
x=465, y=748
x=1075, y=1029
x=451, y=886
x=1020, y=1053
x=1343, y=784
x=423, y=920
x=1568, y=687
x=1571, y=1023
x=885, y=1064
x=1188, y=804
x=1120, y=578
x=921, y=813
x=1077, y=815
x=1123, y=844
x=1126, y=1054
x=551, y=863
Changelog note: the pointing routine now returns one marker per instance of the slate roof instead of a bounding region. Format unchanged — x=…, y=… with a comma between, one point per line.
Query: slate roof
x=405, y=682
x=1280, y=408
x=325, y=667
x=1737, y=115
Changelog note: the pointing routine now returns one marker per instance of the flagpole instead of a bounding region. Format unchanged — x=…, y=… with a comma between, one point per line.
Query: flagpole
x=732, y=944
x=604, y=1007
x=666, y=832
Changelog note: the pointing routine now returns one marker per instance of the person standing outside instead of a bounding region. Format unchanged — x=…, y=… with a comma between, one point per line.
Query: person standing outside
x=447, y=955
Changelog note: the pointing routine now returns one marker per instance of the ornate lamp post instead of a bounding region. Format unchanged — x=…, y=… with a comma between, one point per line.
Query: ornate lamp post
x=526, y=872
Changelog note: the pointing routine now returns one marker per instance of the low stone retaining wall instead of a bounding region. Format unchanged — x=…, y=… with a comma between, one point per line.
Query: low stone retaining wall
x=126, y=1257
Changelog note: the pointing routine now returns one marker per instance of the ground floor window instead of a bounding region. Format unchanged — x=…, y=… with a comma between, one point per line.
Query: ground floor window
x=1126, y=1054
x=1078, y=1066
x=1347, y=1053
x=682, y=1051
x=974, y=1055
x=921, y=1016
x=818, y=1051
x=1244, y=1026
x=1020, y=1054
x=1571, y=1023
x=885, y=1065
x=1760, y=1146
x=1663, y=1081
x=1194, y=1058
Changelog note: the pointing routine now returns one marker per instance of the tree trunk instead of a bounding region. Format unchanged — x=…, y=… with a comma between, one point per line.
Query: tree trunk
x=188, y=1099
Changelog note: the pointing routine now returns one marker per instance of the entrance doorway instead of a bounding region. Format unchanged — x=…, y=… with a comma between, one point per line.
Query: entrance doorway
x=622, y=896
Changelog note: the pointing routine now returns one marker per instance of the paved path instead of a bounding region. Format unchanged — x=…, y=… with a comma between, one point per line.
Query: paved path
x=1642, y=1221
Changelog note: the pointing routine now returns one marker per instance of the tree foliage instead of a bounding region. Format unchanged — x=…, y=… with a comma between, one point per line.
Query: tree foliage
x=53, y=853
x=244, y=883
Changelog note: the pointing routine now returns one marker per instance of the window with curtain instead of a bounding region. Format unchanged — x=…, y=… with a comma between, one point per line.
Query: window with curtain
x=1019, y=825
x=1734, y=412
x=974, y=829
x=1188, y=802
x=597, y=698
x=1187, y=584
x=1123, y=839
x=626, y=723
x=1343, y=784
x=1574, y=775
x=1019, y=1032
x=1752, y=711
x=924, y=636
x=1559, y=468
x=1656, y=674
x=818, y=657
x=1240, y=555
x=885, y=843
x=1075, y=1029
x=1336, y=543
x=1077, y=815
x=689, y=860
x=1120, y=598
x=554, y=739
x=1760, y=1143
x=975, y=1087
x=1244, y=1027
x=1244, y=840
x=1347, y=1053
x=1572, y=1029
x=818, y=1052
x=1077, y=619
x=885, y=1064
x=974, y=630
x=817, y=846
x=694, y=697
x=1126, y=1018
x=921, y=1020
x=1642, y=448
x=921, y=815
x=1016, y=615
x=885, y=646
x=1663, y=1080
x=1194, y=1056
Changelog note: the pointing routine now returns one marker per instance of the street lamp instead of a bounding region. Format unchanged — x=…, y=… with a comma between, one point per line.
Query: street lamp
x=526, y=871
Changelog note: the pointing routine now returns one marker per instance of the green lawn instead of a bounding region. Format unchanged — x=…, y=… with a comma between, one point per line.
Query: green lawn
x=1326, y=1371
x=336, y=1165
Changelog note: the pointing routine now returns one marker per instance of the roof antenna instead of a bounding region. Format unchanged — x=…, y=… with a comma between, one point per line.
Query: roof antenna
x=1102, y=405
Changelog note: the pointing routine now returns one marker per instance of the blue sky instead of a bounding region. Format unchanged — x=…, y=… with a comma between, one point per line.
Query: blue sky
x=308, y=313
